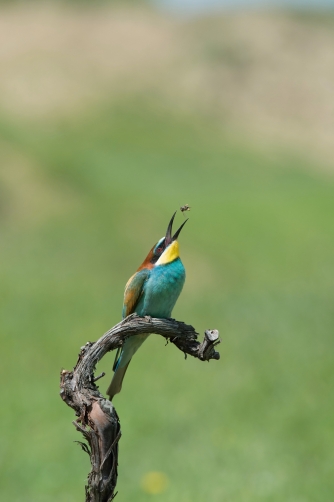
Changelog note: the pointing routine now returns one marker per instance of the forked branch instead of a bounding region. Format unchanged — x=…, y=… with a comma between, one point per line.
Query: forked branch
x=97, y=419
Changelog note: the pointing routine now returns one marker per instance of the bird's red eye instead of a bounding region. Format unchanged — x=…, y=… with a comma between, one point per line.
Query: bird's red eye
x=159, y=250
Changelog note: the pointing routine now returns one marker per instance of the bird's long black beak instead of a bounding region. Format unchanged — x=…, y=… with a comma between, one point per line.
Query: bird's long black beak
x=175, y=236
x=169, y=238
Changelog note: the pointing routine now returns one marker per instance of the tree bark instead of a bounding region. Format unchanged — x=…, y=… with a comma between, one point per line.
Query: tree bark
x=97, y=419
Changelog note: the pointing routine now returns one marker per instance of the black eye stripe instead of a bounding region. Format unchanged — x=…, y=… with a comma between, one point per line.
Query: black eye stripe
x=160, y=247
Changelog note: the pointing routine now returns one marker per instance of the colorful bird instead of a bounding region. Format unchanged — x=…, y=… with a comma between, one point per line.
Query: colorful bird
x=151, y=291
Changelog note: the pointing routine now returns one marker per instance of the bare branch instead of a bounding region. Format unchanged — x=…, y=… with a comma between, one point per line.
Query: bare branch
x=97, y=418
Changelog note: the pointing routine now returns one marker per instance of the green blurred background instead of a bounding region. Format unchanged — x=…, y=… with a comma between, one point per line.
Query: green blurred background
x=111, y=117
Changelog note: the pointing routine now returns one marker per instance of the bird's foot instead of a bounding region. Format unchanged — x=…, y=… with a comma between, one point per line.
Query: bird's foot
x=148, y=318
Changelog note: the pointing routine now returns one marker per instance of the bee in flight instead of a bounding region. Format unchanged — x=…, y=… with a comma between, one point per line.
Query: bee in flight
x=184, y=208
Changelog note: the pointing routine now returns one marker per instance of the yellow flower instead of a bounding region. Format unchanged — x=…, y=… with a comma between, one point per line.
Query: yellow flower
x=154, y=482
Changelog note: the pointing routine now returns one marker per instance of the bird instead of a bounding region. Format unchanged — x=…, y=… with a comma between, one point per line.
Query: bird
x=152, y=291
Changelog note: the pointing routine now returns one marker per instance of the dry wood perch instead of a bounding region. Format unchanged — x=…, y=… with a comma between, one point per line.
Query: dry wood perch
x=97, y=418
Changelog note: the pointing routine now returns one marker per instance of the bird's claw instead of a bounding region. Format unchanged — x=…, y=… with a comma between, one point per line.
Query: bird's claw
x=148, y=318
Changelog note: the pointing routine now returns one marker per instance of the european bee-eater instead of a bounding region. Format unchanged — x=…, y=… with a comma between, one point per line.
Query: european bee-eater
x=151, y=291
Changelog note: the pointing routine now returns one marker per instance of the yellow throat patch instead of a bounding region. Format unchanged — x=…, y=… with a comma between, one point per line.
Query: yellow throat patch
x=170, y=254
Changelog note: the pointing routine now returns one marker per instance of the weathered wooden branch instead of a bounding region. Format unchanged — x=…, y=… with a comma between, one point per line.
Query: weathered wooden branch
x=97, y=418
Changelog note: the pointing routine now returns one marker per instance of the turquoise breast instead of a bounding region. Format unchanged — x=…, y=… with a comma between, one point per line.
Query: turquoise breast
x=162, y=290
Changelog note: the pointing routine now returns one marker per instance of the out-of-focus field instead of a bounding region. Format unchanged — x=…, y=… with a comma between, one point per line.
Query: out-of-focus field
x=109, y=120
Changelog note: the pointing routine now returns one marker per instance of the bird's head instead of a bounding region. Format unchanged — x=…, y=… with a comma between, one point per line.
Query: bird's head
x=166, y=249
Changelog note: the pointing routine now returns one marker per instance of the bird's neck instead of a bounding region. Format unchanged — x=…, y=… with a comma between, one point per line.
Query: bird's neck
x=147, y=263
x=169, y=255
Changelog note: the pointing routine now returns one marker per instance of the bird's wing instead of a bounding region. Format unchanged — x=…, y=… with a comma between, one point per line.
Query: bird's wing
x=134, y=290
x=132, y=294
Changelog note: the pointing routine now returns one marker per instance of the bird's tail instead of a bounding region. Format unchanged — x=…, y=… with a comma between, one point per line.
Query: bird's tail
x=116, y=382
x=122, y=360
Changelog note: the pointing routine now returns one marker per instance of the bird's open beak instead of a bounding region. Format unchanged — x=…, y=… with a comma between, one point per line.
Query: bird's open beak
x=169, y=238
x=175, y=236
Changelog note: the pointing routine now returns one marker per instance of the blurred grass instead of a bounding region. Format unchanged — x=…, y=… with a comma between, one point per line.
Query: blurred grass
x=258, y=249
x=84, y=3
